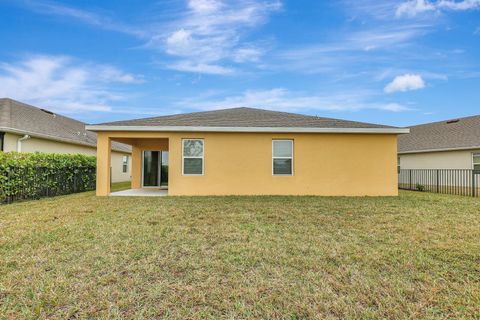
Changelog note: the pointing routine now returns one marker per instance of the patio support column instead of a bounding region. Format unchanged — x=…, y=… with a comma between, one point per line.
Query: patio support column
x=136, y=167
x=104, y=147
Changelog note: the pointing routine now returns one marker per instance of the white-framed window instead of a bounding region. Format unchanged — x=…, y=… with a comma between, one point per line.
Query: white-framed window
x=398, y=165
x=476, y=161
x=282, y=157
x=193, y=157
x=125, y=164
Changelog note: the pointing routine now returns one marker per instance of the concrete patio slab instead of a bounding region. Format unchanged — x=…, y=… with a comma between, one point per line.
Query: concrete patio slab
x=140, y=193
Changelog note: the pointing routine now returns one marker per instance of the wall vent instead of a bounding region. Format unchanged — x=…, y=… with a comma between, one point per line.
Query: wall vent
x=453, y=121
x=47, y=111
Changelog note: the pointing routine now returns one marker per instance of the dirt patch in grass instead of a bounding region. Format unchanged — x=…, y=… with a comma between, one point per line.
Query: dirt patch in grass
x=78, y=256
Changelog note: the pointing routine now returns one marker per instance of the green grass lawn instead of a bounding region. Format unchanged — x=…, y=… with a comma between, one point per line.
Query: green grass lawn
x=78, y=256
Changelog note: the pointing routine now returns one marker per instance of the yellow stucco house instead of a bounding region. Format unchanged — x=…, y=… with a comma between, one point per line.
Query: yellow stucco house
x=245, y=151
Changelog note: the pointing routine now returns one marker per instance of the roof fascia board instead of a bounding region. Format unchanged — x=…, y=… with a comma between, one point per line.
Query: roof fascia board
x=439, y=150
x=247, y=129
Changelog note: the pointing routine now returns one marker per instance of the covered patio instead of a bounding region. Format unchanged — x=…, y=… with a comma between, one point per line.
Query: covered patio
x=149, y=165
x=157, y=162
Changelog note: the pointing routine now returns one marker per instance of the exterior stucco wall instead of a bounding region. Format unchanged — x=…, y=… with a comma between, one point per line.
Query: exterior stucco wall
x=10, y=142
x=49, y=146
x=241, y=164
x=438, y=160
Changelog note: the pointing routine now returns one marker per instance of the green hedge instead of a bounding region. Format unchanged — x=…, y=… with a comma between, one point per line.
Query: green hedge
x=37, y=175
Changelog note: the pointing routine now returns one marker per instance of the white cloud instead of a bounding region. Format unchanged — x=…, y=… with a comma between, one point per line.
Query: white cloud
x=88, y=17
x=61, y=84
x=381, y=10
x=178, y=41
x=390, y=72
x=350, y=53
x=406, y=82
x=108, y=73
x=459, y=5
x=210, y=32
x=395, y=107
x=365, y=40
x=381, y=38
x=281, y=99
x=204, y=6
x=204, y=68
x=413, y=8
x=246, y=54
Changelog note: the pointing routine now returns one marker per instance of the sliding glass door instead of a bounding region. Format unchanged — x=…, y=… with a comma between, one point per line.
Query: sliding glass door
x=155, y=168
x=151, y=168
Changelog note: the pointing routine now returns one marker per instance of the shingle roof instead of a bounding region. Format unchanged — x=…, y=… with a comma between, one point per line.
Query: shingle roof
x=22, y=118
x=242, y=117
x=461, y=133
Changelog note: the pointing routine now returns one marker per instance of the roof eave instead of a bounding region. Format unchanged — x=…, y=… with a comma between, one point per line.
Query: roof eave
x=439, y=150
x=54, y=138
x=97, y=128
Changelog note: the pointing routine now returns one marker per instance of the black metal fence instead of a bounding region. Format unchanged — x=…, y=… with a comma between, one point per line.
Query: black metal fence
x=20, y=183
x=465, y=182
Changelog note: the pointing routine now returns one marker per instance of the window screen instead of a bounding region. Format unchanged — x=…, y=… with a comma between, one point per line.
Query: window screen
x=476, y=161
x=282, y=157
x=192, y=154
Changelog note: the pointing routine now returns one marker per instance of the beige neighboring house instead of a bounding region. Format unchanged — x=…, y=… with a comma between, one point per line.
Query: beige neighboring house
x=450, y=144
x=25, y=128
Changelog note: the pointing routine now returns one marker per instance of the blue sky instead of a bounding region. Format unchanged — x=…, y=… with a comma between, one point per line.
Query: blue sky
x=393, y=62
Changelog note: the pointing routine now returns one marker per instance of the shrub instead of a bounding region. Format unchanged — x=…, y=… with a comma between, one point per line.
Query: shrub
x=36, y=175
x=420, y=187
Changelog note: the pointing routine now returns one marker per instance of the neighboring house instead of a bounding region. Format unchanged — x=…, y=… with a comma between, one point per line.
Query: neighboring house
x=245, y=151
x=450, y=144
x=24, y=128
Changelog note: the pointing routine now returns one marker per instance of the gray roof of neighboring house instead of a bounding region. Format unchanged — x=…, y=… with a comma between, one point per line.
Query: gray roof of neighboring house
x=456, y=134
x=21, y=118
x=238, y=118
